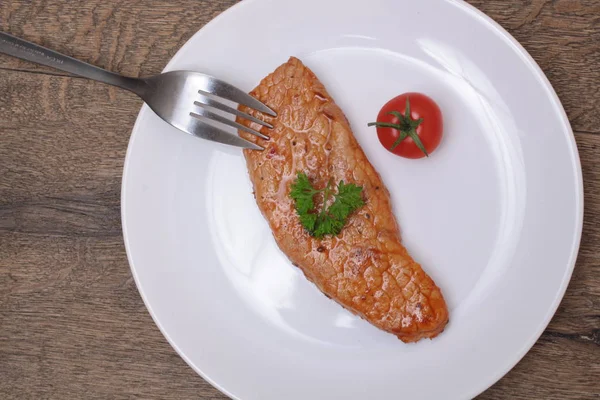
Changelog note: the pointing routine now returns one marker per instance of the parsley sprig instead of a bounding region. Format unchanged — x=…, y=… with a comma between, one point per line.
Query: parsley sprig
x=330, y=219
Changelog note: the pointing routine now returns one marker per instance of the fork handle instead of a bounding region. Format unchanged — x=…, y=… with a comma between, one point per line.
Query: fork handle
x=16, y=47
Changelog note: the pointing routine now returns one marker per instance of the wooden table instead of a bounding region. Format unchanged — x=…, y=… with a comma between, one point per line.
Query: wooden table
x=72, y=324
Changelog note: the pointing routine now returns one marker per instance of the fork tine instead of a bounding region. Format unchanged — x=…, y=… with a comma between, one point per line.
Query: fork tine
x=209, y=132
x=204, y=114
x=207, y=101
x=229, y=92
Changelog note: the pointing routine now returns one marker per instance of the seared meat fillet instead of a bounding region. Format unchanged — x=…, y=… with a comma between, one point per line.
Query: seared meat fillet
x=365, y=269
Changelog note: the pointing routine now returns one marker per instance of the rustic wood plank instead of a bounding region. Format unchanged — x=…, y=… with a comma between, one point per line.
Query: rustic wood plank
x=540, y=375
x=136, y=38
x=62, y=135
x=72, y=324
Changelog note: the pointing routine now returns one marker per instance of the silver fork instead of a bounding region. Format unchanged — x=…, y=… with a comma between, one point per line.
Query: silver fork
x=185, y=99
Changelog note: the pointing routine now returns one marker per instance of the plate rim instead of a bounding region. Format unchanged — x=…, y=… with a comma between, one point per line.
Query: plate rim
x=575, y=158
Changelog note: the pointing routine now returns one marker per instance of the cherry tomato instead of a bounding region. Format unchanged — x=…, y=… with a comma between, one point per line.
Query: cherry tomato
x=410, y=125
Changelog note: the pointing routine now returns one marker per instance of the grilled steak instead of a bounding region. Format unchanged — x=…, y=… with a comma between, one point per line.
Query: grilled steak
x=365, y=268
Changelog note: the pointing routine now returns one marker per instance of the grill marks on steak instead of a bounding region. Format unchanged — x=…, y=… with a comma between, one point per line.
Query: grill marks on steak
x=366, y=268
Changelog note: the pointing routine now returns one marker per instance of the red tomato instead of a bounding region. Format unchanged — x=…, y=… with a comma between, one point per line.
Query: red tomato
x=410, y=125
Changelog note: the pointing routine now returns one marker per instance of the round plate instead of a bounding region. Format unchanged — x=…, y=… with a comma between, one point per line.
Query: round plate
x=494, y=216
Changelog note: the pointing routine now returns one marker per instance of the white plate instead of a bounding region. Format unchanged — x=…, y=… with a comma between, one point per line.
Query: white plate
x=494, y=216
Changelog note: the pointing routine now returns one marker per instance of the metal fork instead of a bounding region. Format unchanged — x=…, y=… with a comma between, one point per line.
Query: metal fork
x=185, y=99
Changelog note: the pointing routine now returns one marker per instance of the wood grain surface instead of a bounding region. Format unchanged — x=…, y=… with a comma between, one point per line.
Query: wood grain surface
x=72, y=324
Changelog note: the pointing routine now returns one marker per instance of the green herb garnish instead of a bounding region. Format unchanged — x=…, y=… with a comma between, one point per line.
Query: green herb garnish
x=329, y=220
